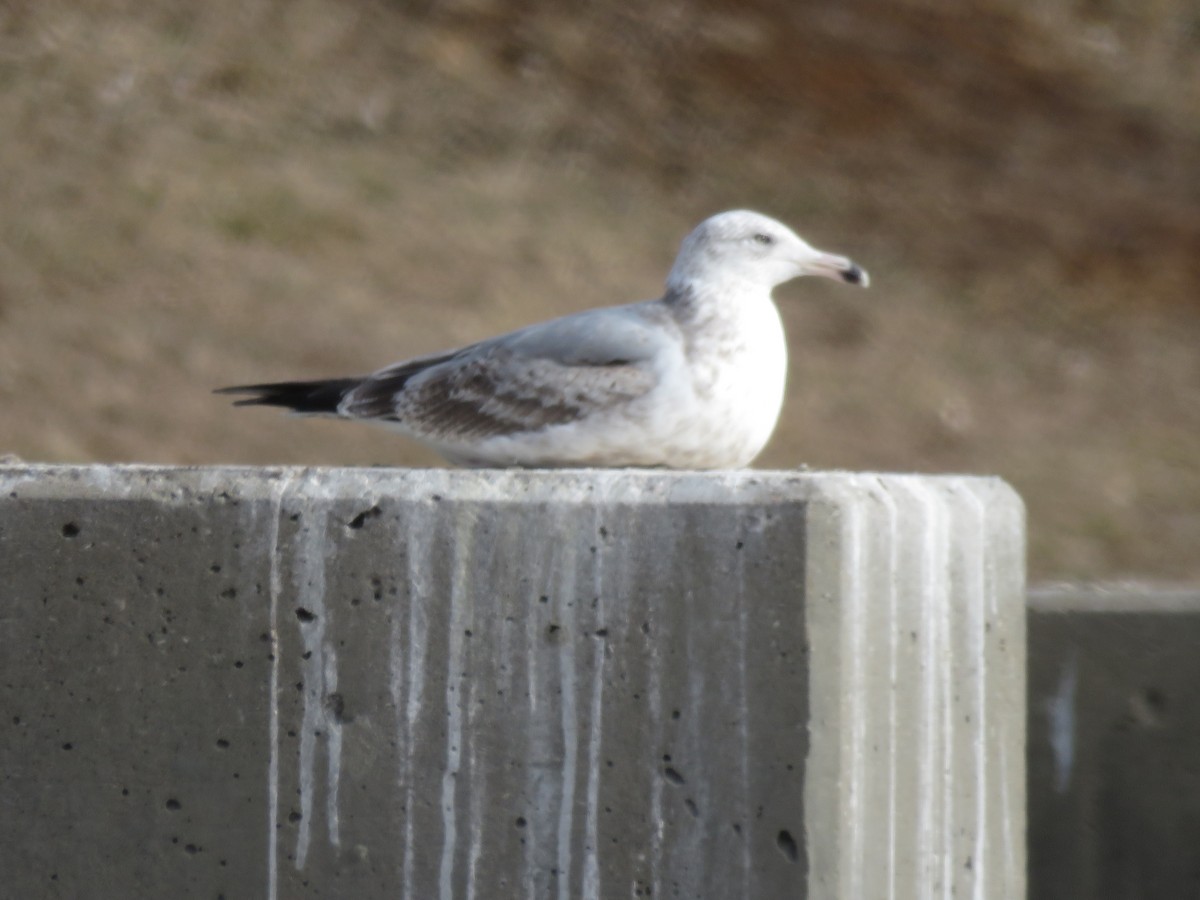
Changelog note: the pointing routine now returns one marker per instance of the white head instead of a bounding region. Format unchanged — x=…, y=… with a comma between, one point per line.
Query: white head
x=747, y=247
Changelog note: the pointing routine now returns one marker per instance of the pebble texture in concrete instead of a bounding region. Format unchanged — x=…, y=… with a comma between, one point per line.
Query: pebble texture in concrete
x=436, y=684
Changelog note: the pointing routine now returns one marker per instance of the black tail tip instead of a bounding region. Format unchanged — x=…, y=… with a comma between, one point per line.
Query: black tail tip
x=312, y=397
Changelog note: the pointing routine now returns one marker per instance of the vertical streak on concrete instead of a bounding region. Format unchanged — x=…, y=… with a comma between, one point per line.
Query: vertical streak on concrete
x=933, y=763
x=540, y=743
x=478, y=687
x=975, y=623
x=938, y=607
x=654, y=696
x=333, y=745
x=1005, y=561
x=691, y=838
x=591, y=860
x=566, y=565
x=742, y=811
x=460, y=598
x=893, y=618
x=418, y=547
x=275, y=587
x=314, y=619
x=854, y=659
x=396, y=662
x=1059, y=709
x=476, y=791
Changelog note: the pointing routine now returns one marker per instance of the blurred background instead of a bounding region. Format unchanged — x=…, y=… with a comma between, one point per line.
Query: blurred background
x=197, y=195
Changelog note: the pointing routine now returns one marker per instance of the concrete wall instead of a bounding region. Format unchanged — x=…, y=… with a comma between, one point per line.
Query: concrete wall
x=1114, y=743
x=368, y=683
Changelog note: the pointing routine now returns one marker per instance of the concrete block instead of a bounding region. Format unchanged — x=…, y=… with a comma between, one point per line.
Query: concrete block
x=360, y=683
x=1114, y=732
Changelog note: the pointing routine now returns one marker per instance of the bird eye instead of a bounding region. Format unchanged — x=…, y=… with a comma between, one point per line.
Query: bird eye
x=764, y=239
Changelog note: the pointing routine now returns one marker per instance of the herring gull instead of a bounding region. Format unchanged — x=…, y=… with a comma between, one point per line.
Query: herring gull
x=692, y=380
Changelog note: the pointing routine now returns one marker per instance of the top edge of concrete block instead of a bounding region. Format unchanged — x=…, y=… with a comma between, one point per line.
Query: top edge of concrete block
x=1114, y=597
x=508, y=485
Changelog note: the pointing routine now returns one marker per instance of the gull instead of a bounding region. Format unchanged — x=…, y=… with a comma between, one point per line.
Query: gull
x=692, y=380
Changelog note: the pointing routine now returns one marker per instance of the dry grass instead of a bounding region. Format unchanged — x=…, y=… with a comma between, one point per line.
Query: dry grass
x=202, y=194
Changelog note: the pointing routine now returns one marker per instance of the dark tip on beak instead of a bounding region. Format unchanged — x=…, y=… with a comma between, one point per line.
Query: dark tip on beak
x=856, y=275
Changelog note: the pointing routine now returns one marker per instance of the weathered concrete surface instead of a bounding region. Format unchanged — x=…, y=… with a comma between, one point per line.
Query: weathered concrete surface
x=1114, y=742
x=419, y=684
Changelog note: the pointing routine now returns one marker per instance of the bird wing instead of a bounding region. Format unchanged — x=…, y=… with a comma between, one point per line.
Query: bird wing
x=548, y=374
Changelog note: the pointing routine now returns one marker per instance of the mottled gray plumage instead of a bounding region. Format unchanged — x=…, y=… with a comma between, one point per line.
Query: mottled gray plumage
x=694, y=379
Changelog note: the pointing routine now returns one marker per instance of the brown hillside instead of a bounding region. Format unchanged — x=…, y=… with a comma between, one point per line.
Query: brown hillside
x=195, y=195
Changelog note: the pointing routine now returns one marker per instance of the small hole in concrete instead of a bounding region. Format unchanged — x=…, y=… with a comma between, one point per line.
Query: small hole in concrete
x=787, y=845
x=172, y=804
x=335, y=704
x=70, y=530
x=692, y=808
x=672, y=775
x=521, y=821
x=222, y=743
x=304, y=615
x=361, y=519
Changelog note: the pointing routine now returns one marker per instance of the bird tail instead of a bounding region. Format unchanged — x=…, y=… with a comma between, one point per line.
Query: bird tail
x=312, y=398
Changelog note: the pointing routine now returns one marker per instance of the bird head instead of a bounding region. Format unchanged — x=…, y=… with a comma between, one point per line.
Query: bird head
x=748, y=247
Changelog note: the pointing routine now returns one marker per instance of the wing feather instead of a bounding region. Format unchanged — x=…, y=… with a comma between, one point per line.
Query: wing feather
x=497, y=394
x=549, y=374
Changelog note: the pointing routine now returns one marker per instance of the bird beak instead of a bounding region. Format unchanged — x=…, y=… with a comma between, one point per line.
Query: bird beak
x=839, y=268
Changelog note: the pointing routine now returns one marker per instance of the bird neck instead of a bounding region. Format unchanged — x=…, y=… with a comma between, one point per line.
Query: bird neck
x=728, y=298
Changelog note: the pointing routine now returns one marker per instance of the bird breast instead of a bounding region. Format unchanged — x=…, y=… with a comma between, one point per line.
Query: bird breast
x=738, y=369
